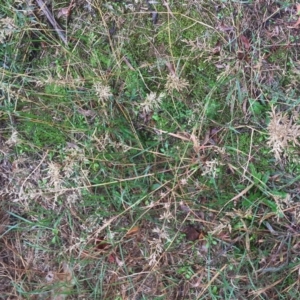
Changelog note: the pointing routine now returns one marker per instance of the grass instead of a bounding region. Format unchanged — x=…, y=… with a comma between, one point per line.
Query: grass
x=149, y=158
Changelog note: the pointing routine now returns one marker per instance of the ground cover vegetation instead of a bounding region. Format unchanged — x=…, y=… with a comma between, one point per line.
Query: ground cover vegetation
x=149, y=149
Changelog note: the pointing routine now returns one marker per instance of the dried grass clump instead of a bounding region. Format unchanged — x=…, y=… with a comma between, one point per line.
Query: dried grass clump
x=283, y=130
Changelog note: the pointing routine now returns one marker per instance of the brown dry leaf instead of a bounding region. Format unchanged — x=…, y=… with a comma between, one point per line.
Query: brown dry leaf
x=245, y=42
x=133, y=230
x=129, y=65
x=214, y=135
x=184, y=207
x=184, y=136
x=96, y=247
x=119, y=262
x=86, y=112
x=101, y=244
x=217, y=49
x=4, y=221
x=211, y=136
x=191, y=233
x=62, y=283
x=146, y=117
x=243, y=56
x=181, y=135
x=298, y=13
x=171, y=67
x=224, y=28
x=52, y=21
x=66, y=11
x=166, y=4
x=196, y=144
x=111, y=258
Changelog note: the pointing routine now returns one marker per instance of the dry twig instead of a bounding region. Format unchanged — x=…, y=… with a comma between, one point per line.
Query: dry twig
x=53, y=22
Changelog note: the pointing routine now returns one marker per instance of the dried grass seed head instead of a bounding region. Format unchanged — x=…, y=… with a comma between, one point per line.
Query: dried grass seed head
x=283, y=131
x=152, y=102
x=103, y=91
x=174, y=82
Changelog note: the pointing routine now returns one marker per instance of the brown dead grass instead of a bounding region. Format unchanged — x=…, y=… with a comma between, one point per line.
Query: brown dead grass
x=180, y=247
